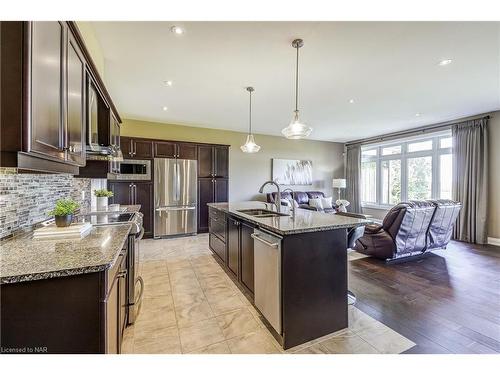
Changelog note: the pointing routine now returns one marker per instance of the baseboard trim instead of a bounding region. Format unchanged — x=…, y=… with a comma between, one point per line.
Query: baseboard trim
x=494, y=241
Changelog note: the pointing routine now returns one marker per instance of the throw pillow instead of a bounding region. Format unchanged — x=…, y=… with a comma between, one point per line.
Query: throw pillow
x=316, y=203
x=326, y=202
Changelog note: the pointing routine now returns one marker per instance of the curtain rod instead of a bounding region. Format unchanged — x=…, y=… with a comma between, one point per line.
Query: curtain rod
x=414, y=131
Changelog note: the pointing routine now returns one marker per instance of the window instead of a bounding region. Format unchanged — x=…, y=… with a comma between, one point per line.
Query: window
x=407, y=169
x=391, y=181
x=369, y=177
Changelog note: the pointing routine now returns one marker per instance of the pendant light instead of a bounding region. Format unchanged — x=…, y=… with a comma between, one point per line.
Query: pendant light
x=297, y=129
x=250, y=146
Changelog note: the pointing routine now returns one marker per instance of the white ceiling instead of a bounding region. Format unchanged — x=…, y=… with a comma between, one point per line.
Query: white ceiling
x=390, y=69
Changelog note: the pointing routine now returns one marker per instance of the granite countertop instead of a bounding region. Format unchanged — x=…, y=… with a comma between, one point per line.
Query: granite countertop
x=24, y=258
x=305, y=220
x=123, y=208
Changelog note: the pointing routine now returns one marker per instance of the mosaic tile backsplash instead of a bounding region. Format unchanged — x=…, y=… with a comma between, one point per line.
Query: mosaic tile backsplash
x=26, y=198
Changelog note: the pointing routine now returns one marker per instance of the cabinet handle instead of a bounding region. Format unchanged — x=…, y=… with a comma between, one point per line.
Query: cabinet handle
x=121, y=274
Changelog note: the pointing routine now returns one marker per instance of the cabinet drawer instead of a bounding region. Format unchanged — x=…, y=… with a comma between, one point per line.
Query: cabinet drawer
x=117, y=267
x=217, y=226
x=216, y=214
x=217, y=246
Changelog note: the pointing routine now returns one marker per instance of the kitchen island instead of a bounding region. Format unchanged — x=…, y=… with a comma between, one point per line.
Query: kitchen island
x=294, y=268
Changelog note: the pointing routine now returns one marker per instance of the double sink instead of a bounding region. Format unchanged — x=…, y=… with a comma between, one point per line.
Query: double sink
x=262, y=213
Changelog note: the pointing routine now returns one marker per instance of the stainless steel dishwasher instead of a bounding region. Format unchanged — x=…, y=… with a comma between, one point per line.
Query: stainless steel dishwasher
x=267, y=276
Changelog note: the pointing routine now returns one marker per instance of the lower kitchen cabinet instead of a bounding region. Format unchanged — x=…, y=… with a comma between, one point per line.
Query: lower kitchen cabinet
x=76, y=314
x=246, y=255
x=133, y=192
x=233, y=245
x=235, y=248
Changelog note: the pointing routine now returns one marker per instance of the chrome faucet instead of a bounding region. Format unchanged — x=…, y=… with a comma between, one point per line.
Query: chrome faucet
x=292, y=204
x=277, y=201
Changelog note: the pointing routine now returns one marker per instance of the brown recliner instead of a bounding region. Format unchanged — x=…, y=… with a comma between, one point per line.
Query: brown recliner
x=403, y=232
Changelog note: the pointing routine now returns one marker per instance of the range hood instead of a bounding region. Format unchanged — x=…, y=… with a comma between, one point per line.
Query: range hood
x=104, y=153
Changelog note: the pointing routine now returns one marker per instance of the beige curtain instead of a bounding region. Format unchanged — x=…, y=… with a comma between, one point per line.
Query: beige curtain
x=470, y=179
x=353, y=178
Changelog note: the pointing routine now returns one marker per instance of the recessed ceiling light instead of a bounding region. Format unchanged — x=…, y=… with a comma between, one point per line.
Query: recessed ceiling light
x=168, y=83
x=177, y=30
x=351, y=101
x=165, y=108
x=417, y=114
x=445, y=62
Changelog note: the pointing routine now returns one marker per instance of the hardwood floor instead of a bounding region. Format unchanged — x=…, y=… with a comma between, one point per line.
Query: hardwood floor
x=445, y=302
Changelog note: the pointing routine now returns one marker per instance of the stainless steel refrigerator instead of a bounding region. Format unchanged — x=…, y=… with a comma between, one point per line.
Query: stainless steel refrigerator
x=175, y=193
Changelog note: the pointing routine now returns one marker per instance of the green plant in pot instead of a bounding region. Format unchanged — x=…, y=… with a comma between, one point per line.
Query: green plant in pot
x=63, y=212
x=102, y=196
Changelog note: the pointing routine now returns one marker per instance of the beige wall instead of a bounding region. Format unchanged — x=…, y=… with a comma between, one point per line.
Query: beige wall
x=92, y=45
x=248, y=171
x=494, y=183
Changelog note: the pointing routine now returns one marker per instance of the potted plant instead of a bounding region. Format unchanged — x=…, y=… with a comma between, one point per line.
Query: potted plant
x=63, y=212
x=102, y=198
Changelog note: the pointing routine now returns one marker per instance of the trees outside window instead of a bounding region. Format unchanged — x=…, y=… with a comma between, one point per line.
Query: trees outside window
x=407, y=169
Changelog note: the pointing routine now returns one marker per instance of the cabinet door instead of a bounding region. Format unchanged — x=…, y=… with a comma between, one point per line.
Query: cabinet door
x=143, y=195
x=186, y=151
x=221, y=189
x=165, y=150
x=113, y=320
x=75, y=99
x=46, y=89
x=221, y=156
x=127, y=147
x=205, y=161
x=246, y=254
x=233, y=245
x=122, y=192
x=122, y=293
x=205, y=195
x=143, y=149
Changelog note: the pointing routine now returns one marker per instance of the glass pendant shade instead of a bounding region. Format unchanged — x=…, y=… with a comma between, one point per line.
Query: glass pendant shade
x=296, y=129
x=250, y=146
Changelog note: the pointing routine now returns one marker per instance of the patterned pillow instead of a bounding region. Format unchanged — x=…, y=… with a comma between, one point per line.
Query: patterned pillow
x=316, y=203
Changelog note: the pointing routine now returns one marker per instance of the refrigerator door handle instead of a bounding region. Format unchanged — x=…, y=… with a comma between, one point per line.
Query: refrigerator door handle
x=178, y=181
x=185, y=208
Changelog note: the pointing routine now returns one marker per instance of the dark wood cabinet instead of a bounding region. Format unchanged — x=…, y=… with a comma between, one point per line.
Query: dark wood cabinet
x=246, y=255
x=175, y=150
x=210, y=190
x=143, y=149
x=75, y=99
x=134, y=192
x=72, y=314
x=45, y=94
x=221, y=161
x=187, y=151
x=233, y=245
x=135, y=148
x=46, y=69
x=165, y=150
x=213, y=161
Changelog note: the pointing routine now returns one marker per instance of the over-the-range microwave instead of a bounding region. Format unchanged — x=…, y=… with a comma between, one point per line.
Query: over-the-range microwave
x=132, y=170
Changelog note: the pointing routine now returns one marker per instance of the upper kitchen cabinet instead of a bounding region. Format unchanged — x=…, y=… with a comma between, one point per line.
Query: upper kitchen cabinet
x=173, y=150
x=75, y=99
x=45, y=98
x=213, y=161
x=136, y=148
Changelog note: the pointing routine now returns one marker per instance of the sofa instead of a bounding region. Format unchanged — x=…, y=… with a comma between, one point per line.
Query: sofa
x=301, y=197
x=409, y=229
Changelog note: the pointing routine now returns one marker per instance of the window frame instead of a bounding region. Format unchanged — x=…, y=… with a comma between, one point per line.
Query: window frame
x=435, y=153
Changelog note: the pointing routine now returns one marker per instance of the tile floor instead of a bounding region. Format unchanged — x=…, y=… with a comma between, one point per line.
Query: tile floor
x=191, y=305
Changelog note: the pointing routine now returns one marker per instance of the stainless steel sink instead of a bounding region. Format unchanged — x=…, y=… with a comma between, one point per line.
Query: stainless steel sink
x=262, y=213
